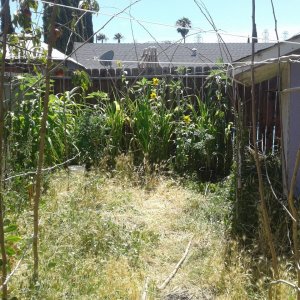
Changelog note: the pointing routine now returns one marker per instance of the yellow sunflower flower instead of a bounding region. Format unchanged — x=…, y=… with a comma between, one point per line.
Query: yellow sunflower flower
x=187, y=119
x=153, y=95
x=155, y=81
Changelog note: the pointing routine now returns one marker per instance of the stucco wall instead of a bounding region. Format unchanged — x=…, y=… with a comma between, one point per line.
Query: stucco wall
x=293, y=123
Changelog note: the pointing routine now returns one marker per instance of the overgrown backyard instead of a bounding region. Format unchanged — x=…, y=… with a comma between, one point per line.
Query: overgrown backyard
x=148, y=179
x=152, y=190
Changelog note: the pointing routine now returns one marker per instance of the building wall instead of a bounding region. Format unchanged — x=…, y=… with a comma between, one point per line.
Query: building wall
x=292, y=121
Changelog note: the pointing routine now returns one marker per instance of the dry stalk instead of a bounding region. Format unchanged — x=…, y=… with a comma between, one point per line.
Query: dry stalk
x=281, y=281
x=173, y=273
x=264, y=211
x=39, y=173
x=145, y=289
x=2, y=237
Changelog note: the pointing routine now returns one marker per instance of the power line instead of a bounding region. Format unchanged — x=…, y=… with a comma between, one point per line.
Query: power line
x=200, y=30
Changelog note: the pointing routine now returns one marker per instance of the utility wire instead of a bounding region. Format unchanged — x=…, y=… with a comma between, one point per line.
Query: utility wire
x=200, y=30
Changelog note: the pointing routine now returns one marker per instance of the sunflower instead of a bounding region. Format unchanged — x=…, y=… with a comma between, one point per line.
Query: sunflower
x=155, y=81
x=153, y=95
x=187, y=119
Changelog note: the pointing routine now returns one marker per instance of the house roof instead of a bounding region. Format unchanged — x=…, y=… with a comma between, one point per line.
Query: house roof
x=288, y=47
x=92, y=56
x=266, y=61
x=28, y=50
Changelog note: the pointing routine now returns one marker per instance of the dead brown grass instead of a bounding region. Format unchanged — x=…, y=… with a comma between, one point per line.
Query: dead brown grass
x=84, y=229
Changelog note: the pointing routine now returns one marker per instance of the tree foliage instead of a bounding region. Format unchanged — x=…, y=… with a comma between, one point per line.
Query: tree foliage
x=101, y=37
x=6, y=17
x=118, y=37
x=71, y=25
x=183, y=23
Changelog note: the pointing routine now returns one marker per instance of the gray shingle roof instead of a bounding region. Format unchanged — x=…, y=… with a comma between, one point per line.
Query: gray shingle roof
x=168, y=54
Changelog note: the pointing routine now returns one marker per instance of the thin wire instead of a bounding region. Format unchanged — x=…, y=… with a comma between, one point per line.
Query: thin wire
x=161, y=24
x=210, y=20
x=43, y=170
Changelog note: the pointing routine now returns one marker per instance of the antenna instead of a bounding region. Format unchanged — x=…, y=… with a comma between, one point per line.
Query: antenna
x=106, y=58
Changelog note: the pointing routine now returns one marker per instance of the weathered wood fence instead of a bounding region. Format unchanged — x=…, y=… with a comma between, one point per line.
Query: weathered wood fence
x=268, y=127
x=109, y=80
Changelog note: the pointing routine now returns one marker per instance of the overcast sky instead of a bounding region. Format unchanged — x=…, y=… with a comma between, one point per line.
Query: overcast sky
x=231, y=17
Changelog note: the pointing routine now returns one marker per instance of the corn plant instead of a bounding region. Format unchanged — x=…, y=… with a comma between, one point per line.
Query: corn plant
x=115, y=118
x=24, y=124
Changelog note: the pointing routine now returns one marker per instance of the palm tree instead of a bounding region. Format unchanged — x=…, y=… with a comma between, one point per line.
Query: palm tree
x=118, y=37
x=101, y=37
x=183, y=23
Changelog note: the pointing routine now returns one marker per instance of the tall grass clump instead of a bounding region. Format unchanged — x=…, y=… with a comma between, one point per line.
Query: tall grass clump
x=245, y=214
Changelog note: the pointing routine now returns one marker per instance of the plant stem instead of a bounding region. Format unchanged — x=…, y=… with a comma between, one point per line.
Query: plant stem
x=265, y=216
x=39, y=176
x=2, y=78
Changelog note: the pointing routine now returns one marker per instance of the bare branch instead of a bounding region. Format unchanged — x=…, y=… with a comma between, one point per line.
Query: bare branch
x=167, y=281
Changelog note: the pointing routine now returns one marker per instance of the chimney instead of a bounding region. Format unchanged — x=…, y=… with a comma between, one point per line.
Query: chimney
x=194, y=51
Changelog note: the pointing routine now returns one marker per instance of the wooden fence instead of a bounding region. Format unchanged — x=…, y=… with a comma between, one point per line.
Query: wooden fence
x=110, y=80
x=268, y=127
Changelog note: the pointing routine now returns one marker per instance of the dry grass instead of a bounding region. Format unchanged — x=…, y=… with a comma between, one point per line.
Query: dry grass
x=102, y=237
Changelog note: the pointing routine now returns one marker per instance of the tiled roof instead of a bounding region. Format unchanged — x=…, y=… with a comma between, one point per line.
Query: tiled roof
x=168, y=54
